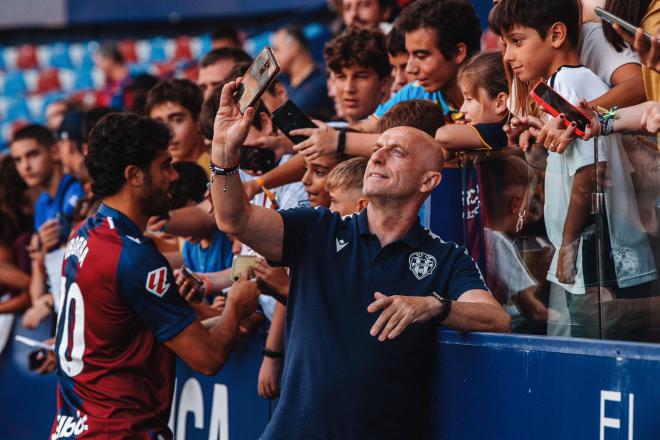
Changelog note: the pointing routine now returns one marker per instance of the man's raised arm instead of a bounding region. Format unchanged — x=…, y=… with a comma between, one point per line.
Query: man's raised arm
x=260, y=228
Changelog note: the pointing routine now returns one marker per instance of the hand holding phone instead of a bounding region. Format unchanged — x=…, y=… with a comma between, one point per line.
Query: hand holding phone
x=289, y=117
x=242, y=264
x=196, y=293
x=257, y=79
x=555, y=104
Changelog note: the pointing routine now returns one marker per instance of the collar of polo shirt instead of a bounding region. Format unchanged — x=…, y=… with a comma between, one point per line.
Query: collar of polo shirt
x=412, y=238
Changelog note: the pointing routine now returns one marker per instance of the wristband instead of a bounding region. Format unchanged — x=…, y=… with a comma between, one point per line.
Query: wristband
x=273, y=354
x=341, y=144
x=224, y=171
x=220, y=171
x=446, y=307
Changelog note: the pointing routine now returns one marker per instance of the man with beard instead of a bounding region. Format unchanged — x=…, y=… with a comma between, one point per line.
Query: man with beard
x=121, y=318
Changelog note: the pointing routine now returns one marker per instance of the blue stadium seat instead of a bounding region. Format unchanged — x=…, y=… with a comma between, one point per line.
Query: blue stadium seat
x=83, y=79
x=2, y=58
x=59, y=56
x=157, y=50
x=14, y=83
x=18, y=110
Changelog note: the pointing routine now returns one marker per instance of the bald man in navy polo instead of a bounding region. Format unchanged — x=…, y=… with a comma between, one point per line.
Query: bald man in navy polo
x=367, y=291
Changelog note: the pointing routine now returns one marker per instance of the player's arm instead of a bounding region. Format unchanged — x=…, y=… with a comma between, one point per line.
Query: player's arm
x=260, y=228
x=206, y=350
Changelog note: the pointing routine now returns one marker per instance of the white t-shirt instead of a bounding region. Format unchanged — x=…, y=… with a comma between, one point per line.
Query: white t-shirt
x=633, y=259
x=600, y=56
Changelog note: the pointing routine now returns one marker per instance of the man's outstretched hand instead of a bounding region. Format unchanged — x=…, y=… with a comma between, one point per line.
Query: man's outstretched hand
x=230, y=127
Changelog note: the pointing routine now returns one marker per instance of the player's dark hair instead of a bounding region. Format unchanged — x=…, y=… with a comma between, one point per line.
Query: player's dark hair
x=92, y=116
x=117, y=141
x=417, y=113
x=210, y=109
x=632, y=11
x=539, y=15
x=40, y=134
x=454, y=22
x=358, y=47
x=182, y=91
x=396, y=43
x=235, y=54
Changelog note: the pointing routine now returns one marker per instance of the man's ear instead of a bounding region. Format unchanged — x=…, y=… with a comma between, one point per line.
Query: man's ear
x=362, y=203
x=134, y=176
x=558, y=34
x=500, y=103
x=430, y=181
x=460, y=53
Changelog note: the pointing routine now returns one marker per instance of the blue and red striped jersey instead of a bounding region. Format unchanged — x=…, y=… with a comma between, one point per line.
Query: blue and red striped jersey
x=119, y=304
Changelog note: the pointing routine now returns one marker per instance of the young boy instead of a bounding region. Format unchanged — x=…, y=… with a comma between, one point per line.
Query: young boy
x=398, y=58
x=36, y=155
x=358, y=62
x=344, y=185
x=177, y=103
x=541, y=38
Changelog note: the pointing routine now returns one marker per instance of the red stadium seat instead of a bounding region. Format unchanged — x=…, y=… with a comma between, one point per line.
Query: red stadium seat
x=49, y=81
x=165, y=69
x=127, y=48
x=182, y=49
x=27, y=57
x=191, y=73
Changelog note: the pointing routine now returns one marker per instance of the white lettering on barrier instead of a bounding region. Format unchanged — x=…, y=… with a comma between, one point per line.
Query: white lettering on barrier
x=219, y=413
x=191, y=399
x=610, y=422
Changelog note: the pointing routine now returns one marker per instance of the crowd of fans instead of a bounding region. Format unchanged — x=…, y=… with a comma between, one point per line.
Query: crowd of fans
x=523, y=212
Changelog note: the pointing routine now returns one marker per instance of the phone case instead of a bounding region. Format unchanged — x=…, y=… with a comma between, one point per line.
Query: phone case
x=554, y=112
x=288, y=118
x=256, y=80
x=241, y=265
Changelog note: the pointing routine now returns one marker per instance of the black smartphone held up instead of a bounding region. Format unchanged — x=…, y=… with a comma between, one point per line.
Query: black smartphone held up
x=289, y=117
x=555, y=104
x=257, y=160
x=257, y=79
x=37, y=358
x=611, y=19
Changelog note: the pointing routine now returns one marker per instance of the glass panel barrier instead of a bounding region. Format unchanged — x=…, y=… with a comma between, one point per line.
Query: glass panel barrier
x=567, y=247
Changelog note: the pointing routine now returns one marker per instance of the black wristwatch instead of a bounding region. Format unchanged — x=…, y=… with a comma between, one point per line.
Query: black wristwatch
x=446, y=307
x=273, y=354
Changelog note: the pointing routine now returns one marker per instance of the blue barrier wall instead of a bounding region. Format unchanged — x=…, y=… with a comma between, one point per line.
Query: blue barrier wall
x=486, y=387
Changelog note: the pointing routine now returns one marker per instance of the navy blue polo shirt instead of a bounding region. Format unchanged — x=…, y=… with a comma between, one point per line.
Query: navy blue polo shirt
x=69, y=191
x=339, y=382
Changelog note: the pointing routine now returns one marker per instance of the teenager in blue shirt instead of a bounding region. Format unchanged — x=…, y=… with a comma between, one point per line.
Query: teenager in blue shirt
x=355, y=367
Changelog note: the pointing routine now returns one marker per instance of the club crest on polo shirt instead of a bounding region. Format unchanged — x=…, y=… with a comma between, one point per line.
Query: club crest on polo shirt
x=422, y=264
x=157, y=281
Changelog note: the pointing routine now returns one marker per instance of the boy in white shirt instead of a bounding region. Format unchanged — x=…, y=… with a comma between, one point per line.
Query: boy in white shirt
x=541, y=39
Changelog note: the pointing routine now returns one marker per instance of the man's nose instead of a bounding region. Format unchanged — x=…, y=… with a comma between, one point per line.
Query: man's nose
x=411, y=66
